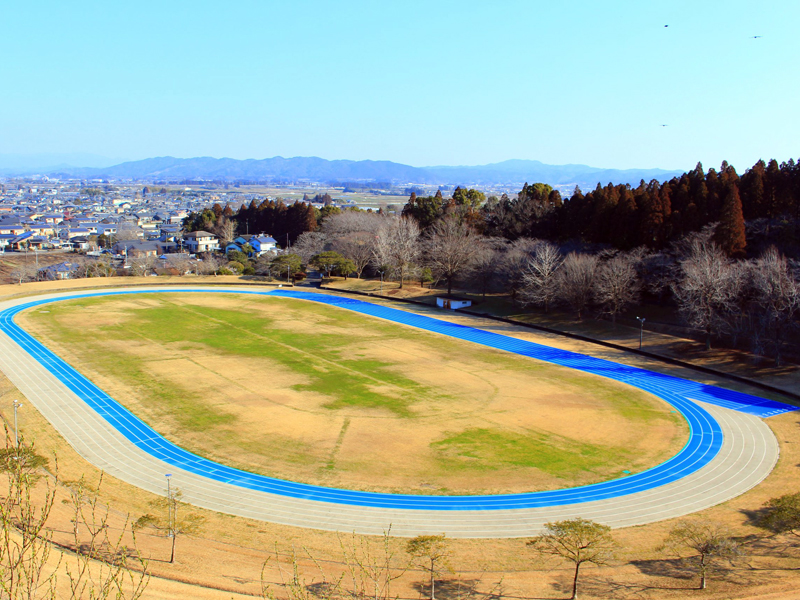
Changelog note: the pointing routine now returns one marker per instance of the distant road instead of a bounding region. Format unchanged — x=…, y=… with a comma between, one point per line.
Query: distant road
x=730, y=448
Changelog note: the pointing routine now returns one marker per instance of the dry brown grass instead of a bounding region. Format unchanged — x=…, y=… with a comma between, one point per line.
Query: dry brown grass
x=225, y=562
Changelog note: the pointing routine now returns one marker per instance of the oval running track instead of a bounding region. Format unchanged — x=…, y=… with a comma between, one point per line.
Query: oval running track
x=730, y=449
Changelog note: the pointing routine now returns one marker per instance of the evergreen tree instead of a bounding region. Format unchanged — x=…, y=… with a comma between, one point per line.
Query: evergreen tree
x=752, y=191
x=730, y=233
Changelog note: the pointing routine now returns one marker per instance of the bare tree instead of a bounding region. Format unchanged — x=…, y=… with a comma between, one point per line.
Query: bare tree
x=515, y=263
x=712, y=544
x=778, y=295
x=358, y=246
x=225, y=230
x=450, y=249
x=24, y=273
x=397, y=246
x=210, y=264
x=487, y=263
x=103, y=565
x=350, y=221
x=618, y=284
x=297, y=586
x=576, y=279
x=309, y=244
x=180, y=262
x=26, y=568
x=540, y=278
x=431, y=554
x=578, y=541
x=263, y=264
x=707, y=287
x=174, y=522
x=142, y=265
x=101, y=266
x=370, y=570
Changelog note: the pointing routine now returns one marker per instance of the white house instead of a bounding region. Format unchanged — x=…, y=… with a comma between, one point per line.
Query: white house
x=200, y=241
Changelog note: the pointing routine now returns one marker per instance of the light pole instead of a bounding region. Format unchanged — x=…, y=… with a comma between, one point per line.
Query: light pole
x=381, y=274
x=169, y=506
x=641, y=330
x=17, y=404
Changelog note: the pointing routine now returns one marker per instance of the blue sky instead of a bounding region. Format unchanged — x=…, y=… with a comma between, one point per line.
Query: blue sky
x=422, y=83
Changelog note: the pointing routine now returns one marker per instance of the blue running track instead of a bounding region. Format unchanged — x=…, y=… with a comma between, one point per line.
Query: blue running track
x=704, y=442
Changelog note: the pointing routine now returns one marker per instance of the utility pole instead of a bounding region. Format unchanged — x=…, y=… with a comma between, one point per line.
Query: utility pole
x=169, y=506
x=641, y=330
x=17, y=404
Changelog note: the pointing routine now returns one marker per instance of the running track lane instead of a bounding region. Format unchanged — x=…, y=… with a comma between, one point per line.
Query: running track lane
x=703, y=445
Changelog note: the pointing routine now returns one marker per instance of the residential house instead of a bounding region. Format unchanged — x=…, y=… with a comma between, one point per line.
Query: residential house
x=262, y=244
x=80, y=242
x=43, y=229
x=135, y=249
x=106, y=229
x=200, y=241
x=64, y=270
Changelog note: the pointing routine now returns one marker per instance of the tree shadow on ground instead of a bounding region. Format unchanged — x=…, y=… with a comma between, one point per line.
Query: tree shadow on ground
x=453, y=589
x=322, y=589
x=683, y=572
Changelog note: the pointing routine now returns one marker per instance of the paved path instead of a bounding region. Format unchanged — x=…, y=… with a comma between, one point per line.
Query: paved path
x=729, y=451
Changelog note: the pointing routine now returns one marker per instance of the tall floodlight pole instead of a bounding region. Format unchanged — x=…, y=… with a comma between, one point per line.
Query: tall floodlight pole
x=641, y=330
x=169, y=506
x=17, y=404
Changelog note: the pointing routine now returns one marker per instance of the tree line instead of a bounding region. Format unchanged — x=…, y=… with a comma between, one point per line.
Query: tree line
x=754, y=303
x=285, y=222
x=656, y=214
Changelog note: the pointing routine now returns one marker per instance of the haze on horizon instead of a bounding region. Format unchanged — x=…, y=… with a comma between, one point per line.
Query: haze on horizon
x=611, y=85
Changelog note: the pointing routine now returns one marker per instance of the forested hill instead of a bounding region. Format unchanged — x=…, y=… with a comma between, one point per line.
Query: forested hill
x=654, y=214
x=320, y=170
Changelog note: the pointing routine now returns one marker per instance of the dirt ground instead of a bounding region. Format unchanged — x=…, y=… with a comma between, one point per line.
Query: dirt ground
x=474, y=415
x=225, y=559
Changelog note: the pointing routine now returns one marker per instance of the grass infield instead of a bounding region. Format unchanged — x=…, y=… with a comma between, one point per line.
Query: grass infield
x=317, y=394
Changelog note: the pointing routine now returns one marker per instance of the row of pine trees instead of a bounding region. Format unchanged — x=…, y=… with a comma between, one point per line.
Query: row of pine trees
x=653, y=214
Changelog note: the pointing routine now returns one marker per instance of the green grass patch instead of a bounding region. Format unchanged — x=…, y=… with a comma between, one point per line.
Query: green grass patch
x=252, y=332
x=480, y=449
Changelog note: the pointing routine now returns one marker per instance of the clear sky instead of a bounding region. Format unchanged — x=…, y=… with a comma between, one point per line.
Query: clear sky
x=423, y=83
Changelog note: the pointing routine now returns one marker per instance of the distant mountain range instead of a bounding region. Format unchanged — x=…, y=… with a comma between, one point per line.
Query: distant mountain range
x=510, y=172
x=15, y=164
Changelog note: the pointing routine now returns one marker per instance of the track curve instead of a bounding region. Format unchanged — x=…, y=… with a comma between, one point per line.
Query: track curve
x=729, y=450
